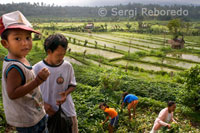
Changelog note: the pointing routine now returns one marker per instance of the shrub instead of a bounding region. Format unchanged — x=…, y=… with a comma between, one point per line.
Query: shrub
x=110, y=79
x=190, y=94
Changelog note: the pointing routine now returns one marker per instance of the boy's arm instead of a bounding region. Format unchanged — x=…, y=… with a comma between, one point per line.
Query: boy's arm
x=161, y=117
x=173, y=120
x=65, y=94
x=49, y=110
x=69, y=90
x=107, y=118
x=71, y=87
x=162, y=123
x=122, y=105
x=16, y=90
x=123, y=102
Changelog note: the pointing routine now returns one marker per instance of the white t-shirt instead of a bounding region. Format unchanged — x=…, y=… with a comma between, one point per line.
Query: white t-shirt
x=169, y=117
x=61, y=77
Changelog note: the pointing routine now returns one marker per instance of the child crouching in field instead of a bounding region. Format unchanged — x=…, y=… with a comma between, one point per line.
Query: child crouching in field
x=165, y=117
x=111, y=112
x=132, y=101
x=22, y=100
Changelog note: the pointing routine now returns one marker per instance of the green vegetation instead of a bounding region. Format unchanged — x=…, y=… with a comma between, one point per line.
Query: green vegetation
x=103, y=83
x=190, y=95
x=2, y=117
x=174, y=26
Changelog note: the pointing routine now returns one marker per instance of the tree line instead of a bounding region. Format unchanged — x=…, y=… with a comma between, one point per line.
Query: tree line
x=53, y=12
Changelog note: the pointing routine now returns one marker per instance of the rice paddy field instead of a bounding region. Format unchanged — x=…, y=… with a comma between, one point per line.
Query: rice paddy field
x=117, y=48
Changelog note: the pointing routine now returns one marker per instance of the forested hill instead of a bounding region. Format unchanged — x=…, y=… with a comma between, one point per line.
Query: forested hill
x=42, y=10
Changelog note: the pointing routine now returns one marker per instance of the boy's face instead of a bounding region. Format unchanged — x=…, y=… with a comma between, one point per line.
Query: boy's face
x=56, y=57
x=19, y=42
x=172, y=108
x=103, y=107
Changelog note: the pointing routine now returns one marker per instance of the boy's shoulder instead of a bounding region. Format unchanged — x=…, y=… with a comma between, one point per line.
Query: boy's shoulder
x=7, y=63
x=40, y=63
x=129, y=95
x=38, y=66
x=65, y=62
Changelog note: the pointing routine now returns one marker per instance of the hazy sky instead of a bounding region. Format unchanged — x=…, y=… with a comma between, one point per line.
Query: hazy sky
x=104, y=2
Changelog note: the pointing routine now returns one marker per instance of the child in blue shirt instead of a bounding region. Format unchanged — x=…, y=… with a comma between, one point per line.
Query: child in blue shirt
x=132, y=101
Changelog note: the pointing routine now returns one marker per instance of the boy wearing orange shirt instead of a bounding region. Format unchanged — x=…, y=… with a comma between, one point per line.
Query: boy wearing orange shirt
x=111, y=112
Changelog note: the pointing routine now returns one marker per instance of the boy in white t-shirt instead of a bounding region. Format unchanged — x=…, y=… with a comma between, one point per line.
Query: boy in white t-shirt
x=57, y=88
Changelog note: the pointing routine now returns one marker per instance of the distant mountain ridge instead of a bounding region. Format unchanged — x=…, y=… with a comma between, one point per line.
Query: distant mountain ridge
x=43, y=10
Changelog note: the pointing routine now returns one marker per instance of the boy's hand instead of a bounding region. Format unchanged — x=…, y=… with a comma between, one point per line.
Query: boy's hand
x=63, y=98
x=174, y=122
x=102, y=123
x=43, y=74
x=49, y=110
x=169, y=126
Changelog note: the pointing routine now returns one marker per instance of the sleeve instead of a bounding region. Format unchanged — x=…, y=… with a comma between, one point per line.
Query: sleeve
x=72, y=80
x=35, y=69
x=162, y=122
x=107, y=117
x=161, y=117
x=19, y=70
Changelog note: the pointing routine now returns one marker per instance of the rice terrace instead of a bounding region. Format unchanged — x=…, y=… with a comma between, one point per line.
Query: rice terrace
x=155, y=57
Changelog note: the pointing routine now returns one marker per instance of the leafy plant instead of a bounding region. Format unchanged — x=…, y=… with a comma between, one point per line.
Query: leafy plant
x=110, y=79
x=190, y=94
x=174, y=128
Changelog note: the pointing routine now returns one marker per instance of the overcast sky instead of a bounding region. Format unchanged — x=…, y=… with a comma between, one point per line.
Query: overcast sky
x=104, y=2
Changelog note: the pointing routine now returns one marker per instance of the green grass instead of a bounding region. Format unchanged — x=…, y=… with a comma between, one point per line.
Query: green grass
x=3, y=52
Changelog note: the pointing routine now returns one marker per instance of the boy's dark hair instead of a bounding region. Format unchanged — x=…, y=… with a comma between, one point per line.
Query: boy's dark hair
x=170, y=103
x=53, y=41
x=103, y=104
x=4, y=35
x=124, y=95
